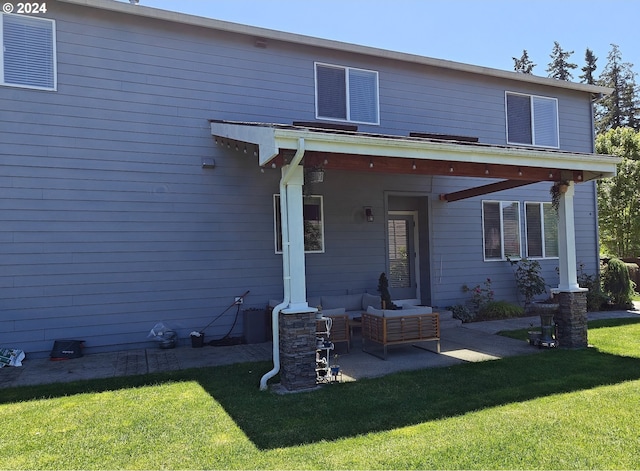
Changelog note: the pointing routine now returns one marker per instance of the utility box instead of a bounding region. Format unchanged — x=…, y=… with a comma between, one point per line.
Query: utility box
x=256, y=325
x=66, y=349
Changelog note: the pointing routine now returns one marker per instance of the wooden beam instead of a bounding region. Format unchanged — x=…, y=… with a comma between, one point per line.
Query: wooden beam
x=483, y=190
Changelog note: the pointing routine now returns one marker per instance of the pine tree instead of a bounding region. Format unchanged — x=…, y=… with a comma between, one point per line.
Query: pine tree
x=589, y=68
x=621, y=107
x=524, y=64
x=618, y=203
x=559, y=67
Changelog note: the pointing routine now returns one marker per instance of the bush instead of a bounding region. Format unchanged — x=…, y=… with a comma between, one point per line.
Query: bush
x=595, y=297
x=529, y=280
x=617, y=284
x=500, y=310
x=462, y=312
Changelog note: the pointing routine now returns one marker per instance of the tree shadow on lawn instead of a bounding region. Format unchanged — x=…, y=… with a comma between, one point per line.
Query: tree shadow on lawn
x=335, y=411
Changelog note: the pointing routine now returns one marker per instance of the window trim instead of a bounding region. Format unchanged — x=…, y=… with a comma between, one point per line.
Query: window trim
x=541, y=205
x=533, y=120
x=503, y=257
x=54, y=54
x=348, y=92
x=277, y=227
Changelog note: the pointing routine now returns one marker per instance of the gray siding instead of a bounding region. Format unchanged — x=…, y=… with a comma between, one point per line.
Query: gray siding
x=109, y=223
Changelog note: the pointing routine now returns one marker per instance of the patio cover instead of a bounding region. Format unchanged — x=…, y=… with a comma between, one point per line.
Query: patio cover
x=343, y=148
x=435, y=155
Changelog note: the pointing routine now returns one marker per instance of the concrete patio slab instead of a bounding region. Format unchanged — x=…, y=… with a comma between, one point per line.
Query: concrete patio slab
x=470, y=343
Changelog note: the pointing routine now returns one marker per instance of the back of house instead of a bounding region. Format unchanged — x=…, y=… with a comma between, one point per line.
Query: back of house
x=129, y=196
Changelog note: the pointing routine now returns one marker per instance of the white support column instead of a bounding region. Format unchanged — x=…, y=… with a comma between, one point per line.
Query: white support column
x=295, y=224
x=567, y=242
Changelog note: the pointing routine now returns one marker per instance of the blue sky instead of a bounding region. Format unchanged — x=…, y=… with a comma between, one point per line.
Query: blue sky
x=480, y=32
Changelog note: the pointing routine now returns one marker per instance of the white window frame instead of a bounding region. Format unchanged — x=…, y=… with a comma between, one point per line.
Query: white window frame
x=532, y=101
x=541, y=208
x=277, y=227
x=347, y=71
x=54, y=71
x=503, y=255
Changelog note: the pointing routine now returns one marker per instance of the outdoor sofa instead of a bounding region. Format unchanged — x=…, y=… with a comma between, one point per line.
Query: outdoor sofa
x=411, y=325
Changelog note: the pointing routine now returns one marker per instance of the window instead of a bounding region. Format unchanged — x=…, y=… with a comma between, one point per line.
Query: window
x=532, y=120
x=501, y=229
x=28, y=52
x=312, y=212
x=346, y=94
x=542, y=230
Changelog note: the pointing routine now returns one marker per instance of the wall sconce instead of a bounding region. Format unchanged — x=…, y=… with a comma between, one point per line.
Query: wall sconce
x=368, y=214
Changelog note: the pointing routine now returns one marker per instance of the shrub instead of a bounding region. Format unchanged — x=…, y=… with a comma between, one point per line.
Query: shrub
x=617, y=284
x=500, y=310
x=479, y=296
x=529, y=281
x=462, y=312
x=595, y=297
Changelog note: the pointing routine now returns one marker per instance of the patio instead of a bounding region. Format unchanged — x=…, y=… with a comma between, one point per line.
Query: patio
x=470, y=343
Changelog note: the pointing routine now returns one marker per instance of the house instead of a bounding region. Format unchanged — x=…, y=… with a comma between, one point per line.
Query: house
x=152, y=168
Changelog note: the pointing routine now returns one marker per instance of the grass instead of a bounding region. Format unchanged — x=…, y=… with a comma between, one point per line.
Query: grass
x=560, y=409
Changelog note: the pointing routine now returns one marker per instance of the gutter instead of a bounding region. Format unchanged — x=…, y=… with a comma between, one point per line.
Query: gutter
x=286, y=274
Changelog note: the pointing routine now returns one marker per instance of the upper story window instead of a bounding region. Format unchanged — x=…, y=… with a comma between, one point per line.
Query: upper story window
x=347, y=94
x=542, y=230
x=532, y=120
x=501, y=229
x=28, y=52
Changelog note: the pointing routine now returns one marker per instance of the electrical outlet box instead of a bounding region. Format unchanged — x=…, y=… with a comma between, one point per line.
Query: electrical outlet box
x=238, y=300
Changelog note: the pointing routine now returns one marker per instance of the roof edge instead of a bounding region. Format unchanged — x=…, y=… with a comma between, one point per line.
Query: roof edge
x=166, y=15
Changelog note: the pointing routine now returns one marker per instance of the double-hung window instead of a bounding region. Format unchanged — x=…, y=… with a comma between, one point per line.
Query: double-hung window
x=541, y=222
x=312, y=213
x=501, y=229
x=27, y=52
x=347, y=94
x=532, y=120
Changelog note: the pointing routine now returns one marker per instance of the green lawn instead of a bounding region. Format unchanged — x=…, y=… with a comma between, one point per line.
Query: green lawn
x=557, y=410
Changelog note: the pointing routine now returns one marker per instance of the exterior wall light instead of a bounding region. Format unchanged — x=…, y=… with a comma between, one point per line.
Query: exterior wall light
x=368, y=214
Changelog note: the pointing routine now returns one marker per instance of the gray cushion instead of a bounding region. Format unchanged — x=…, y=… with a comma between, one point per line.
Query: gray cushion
x=418, y=309
x=350, y=302
x=371, y=300
x=399, y=312
x=374, y=311
x=333, y=312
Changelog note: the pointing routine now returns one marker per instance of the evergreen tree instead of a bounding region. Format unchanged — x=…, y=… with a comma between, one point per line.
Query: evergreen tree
x=559, y=67
x=618, y=202
x=621, y=107
x=589, y=68
x=523, y=65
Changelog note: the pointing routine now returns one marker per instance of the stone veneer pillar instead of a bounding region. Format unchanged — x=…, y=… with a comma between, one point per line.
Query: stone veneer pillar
x=571, y=319
x=298, y=350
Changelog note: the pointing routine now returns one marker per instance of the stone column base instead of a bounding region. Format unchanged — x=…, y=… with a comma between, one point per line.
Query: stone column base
x=571, y=320
x=298, y=351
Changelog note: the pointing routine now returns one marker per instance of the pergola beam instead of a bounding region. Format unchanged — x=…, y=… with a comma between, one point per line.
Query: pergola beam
x=483, y=190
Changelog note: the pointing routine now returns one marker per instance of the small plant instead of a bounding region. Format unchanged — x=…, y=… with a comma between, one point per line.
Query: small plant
x=462, y=312
x=617, y=284
x=555, y=191
x=529, y=281
x=480, y=296
x=500, y=310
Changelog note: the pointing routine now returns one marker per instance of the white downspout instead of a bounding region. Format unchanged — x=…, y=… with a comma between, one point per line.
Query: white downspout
x=286, y=271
